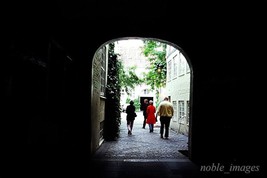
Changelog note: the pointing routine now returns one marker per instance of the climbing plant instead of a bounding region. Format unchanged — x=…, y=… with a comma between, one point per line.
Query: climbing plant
x=112, y=111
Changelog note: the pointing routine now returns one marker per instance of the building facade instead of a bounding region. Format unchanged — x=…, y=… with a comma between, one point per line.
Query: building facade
x=131, y=55
x=178, y=89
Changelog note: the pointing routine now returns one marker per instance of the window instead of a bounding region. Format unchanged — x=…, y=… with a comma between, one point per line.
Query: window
x=169, y=74
x=145, y=91
x=175, y=118
x=103, y=71
x=175, y=67
x=181, y=110
x=182, y=62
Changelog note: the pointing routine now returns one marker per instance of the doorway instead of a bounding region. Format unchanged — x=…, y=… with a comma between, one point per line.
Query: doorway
x=178, y=86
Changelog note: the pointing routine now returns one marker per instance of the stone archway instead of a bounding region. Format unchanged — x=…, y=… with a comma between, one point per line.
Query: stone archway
x=98, y=101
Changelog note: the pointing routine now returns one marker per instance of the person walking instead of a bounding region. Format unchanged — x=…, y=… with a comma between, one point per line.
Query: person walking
x=165, y=111
x=143, y=108
x=130, y=117
x=151, y=118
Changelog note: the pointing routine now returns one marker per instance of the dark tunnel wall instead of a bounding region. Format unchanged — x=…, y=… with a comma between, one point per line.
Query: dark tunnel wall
x=46, y=96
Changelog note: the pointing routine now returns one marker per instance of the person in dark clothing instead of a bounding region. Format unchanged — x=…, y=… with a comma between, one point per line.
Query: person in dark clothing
x=130, y=117
x=144, y=107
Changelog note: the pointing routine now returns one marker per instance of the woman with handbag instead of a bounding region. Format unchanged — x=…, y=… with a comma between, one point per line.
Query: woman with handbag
x=130, y=117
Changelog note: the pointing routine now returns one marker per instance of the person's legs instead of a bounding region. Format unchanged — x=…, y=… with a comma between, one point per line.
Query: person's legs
x=150, y=127
x=161, y=126
x=129, y=126
x=144, y=122
x=167, y=125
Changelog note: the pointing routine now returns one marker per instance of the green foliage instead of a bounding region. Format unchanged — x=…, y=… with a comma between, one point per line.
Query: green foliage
x=112, y=112
x=128, y=79
x=128, y=100
x=156, y=53
x=137, y=104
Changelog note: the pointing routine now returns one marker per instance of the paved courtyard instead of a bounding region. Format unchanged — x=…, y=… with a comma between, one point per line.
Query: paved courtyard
x=142, y=144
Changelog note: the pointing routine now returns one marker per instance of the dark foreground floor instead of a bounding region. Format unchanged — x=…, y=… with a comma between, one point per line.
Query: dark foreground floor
x=145, y=169
x=160, y=169
x=146, y=155
x=140, y=155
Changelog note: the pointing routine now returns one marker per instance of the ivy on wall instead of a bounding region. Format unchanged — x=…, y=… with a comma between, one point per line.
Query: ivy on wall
x=113, y=110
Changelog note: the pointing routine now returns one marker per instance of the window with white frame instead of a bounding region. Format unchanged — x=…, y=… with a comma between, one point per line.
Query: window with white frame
x=181, y=64
x=169, y=74
x=181, y=110
x=187, y=68
x=175, y=66
x=146, y=92
x=175, y=118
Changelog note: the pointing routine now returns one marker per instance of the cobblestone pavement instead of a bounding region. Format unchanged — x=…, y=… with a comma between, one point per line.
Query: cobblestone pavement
x=146, y=155
x=143, y=155
x=142, y=144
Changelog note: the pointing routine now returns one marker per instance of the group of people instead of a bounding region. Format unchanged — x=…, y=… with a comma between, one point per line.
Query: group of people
x=165, y=112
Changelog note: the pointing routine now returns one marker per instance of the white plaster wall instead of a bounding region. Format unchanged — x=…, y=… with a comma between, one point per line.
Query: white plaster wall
x=178, y=88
